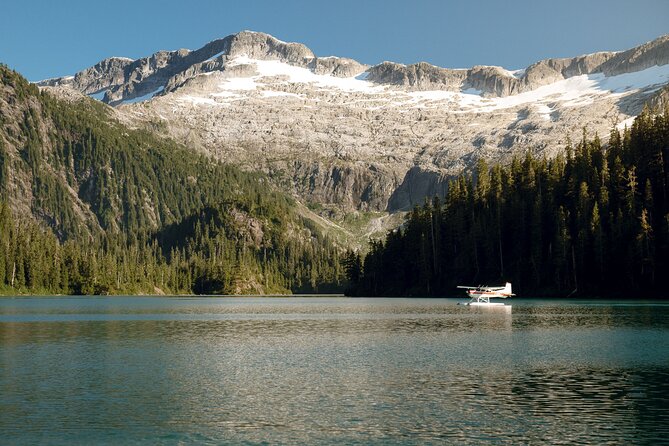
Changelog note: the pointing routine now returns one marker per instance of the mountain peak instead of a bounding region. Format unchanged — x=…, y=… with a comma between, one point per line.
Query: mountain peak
x=257, y=45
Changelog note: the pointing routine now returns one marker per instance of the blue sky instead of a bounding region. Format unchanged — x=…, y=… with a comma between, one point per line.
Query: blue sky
x=51, y=38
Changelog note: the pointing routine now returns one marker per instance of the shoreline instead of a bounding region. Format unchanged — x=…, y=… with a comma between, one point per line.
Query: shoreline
x=96, y=296
x=324, y=295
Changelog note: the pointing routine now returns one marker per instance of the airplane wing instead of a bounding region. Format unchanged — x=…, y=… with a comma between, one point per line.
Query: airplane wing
x=482, y=288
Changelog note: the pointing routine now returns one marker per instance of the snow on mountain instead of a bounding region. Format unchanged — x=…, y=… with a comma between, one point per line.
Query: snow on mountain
x=577, y=90
x=353, y=137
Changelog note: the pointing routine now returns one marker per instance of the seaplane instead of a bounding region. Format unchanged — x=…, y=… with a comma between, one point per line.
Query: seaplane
x=481, y=295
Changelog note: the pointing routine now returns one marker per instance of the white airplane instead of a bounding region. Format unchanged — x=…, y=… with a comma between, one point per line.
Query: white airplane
x=481, y=295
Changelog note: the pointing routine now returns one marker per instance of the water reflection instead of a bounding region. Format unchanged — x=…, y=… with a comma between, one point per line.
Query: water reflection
x=332, y=371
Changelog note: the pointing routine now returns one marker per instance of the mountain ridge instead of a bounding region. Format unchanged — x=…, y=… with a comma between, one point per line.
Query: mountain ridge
x=143, y=75
x=345, y=137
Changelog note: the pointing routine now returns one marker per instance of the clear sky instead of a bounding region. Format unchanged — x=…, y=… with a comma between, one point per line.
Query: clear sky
x=43, y=38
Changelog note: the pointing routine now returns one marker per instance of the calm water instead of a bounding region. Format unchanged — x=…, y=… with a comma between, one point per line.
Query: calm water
x=331, y=370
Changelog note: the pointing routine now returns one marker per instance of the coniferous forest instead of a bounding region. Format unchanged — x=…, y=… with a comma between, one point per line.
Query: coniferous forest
x=89, y=206
x=591, y=222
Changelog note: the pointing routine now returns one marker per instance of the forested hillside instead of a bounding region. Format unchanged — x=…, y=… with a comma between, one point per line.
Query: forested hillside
x=591, y=222
x=88, y=205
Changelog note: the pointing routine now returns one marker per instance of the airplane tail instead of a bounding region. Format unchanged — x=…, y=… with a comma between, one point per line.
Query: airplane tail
x=507, y=289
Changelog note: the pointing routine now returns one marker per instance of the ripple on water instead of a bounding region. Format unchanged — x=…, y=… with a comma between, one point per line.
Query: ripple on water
x=331, y=371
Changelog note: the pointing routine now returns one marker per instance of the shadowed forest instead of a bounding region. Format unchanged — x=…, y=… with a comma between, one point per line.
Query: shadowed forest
x=592, y=222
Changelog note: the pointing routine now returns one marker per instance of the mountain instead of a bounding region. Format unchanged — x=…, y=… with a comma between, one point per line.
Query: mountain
x=346, y=138
x=89, y=205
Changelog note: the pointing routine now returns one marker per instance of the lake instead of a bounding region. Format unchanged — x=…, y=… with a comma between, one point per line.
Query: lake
x=303, y=370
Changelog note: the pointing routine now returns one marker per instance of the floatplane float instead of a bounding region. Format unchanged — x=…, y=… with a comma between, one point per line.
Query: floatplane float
x=481, y=295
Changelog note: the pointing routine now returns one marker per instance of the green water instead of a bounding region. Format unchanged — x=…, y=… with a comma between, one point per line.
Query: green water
x=331, y=371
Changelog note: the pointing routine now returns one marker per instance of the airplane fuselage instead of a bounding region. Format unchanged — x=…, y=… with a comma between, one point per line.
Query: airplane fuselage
x=487, y=294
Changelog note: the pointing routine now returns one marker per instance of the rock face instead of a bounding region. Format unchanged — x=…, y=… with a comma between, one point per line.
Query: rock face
x=346, y=136
x=660, y=100
x=645, y=56
x=421, y=76
x=121, y=78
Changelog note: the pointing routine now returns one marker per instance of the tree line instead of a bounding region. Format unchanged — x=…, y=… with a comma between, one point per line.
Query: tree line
x=208, y=253
x=593, y=221
x=90, y=206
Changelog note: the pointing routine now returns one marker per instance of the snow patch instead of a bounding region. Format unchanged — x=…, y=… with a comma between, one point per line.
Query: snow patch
x=299, y=75
x=516, y=73
x=215, y=56
x=144, y=97
x=626, y=123
x=545, y=111
x=633, y=81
